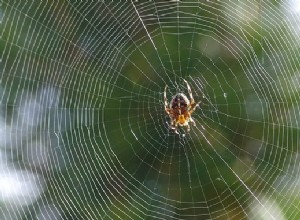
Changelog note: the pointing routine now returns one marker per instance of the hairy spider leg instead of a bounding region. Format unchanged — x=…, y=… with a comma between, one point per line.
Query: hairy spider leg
x=193, y=105
x=166, y=101
x=190, y=92
x=188, y=128
x=192, y=121
x=173, y=124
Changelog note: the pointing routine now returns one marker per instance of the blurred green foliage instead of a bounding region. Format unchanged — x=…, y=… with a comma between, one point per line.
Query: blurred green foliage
x=109, y=66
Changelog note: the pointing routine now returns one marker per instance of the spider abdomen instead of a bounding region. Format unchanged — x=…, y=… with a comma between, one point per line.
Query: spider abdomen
x=179, y=103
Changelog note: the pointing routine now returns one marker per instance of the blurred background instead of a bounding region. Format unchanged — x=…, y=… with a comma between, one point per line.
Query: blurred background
x=83, y=131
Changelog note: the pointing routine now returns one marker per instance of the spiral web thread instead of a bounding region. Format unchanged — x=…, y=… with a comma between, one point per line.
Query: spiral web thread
x=84, y=134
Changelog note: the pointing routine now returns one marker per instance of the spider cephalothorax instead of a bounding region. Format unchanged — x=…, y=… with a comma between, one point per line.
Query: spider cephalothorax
x=180, y=109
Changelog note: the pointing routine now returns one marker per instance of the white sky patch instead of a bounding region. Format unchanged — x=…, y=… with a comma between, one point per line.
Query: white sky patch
x=269, y=211
x=292, y=11
x=294, y=6
x=30, y=112
x=19, y=187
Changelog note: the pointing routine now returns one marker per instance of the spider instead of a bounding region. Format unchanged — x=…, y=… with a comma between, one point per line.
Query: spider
x=180, y=109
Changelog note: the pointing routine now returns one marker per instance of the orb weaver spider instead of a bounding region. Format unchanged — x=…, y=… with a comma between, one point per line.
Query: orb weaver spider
x=180, y=109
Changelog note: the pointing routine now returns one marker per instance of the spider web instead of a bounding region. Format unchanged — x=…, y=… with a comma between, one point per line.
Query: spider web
x=84, y=134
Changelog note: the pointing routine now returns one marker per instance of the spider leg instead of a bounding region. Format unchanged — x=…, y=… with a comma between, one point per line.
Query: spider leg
x=193, y=107
x=188, y=128
x=192, y=121
x=176, y=130
x=174, y=126
x=190, y=92
x=166, y=101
